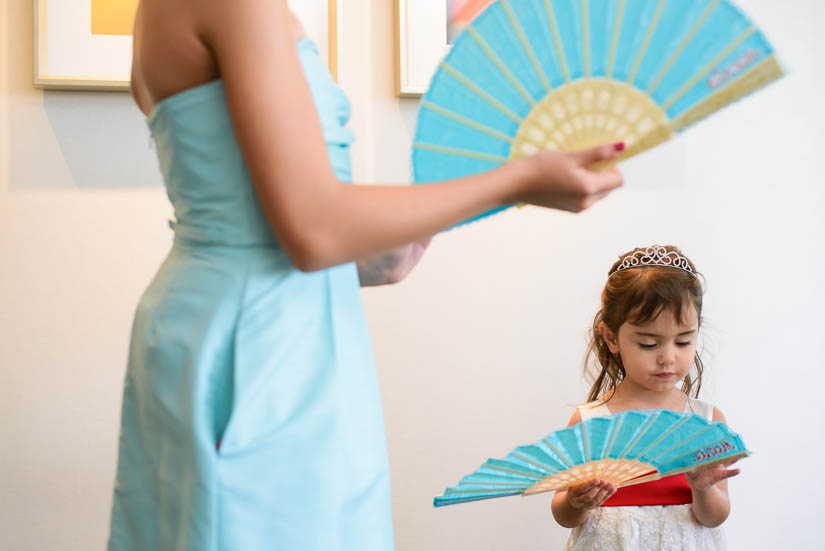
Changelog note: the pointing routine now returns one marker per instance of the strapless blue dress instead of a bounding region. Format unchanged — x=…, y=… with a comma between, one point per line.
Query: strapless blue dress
x=232, y=344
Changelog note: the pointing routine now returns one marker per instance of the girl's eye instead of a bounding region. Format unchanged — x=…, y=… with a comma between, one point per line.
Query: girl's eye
x=647, y=346
x=683, y=344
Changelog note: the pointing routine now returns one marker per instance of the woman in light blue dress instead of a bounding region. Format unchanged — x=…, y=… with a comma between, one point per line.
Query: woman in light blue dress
x=251, y=414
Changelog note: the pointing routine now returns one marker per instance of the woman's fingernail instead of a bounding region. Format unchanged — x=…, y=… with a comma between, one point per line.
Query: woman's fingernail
x=619, y=146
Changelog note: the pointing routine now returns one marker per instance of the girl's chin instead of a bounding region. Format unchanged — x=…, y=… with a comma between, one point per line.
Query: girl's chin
x=660, y=384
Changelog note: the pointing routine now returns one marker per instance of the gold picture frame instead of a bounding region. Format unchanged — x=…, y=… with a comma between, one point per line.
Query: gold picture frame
x=68, y=56
x=420, y=43
x=81, y=45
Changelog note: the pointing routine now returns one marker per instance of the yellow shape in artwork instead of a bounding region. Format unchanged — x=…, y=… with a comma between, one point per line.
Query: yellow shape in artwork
x=113, y=17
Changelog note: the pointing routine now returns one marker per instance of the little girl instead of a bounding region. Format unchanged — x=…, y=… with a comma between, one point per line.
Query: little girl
x=644, y=337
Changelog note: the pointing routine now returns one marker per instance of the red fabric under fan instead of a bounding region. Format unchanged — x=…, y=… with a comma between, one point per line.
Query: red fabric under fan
x=671, y=490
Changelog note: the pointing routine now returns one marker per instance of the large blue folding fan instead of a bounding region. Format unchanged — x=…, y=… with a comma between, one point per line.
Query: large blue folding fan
x=528, y=75
x=628, y=448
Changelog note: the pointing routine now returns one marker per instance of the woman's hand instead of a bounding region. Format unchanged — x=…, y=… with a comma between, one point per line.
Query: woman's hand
x=703, y=478
x=564, y=181
x=393, y=266
x=590, y=495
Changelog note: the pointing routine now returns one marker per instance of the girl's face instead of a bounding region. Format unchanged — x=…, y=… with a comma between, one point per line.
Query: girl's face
x=659, y=354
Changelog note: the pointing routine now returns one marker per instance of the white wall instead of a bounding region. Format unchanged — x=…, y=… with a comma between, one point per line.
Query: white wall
x=480, y=349
x=82, y=229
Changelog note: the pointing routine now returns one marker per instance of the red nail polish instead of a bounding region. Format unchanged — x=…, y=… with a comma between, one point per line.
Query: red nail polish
x=619, y=146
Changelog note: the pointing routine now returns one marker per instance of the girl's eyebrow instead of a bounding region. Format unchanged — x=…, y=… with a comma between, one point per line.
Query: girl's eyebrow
x=646, y=334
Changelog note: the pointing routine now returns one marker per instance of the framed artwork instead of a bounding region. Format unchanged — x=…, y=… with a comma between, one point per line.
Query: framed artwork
x=84, y=45
x=425, y=29
x=87, y=44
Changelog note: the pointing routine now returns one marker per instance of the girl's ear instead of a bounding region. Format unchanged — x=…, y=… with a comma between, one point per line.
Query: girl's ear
x=609, y=337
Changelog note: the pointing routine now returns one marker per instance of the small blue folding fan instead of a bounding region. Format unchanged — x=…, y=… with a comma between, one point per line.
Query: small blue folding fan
x=628, y=448
x=528, y=75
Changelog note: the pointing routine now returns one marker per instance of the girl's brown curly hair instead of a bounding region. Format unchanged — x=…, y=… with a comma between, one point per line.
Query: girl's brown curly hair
x=639, y=295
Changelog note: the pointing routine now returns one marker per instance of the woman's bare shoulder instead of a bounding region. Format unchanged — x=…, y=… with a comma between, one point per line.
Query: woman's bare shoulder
x=174, y=46
x=169, y=54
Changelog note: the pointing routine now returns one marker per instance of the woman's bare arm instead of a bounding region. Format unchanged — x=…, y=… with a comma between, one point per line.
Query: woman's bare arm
x=319, y=221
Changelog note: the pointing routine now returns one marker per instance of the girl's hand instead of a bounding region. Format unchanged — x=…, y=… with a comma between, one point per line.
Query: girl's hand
x=703, y=478
x=590, y=494
x=393, y=266
x=562, y=180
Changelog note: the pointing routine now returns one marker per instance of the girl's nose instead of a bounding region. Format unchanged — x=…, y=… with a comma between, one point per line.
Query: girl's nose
x=667, y=356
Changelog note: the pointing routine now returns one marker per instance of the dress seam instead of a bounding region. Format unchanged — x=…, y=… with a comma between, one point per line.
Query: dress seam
x=219, y=535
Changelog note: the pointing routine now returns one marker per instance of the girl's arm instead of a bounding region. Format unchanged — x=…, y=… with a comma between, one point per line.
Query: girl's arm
x=572, y=506
x=319, y=221
x=711, y=504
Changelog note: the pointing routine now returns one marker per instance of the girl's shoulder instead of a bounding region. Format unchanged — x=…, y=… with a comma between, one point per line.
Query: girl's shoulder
x=700, y=407
x=598, y=408
x=593, y=409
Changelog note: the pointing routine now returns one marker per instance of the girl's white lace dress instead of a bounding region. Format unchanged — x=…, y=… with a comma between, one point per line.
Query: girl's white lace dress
x=647, y=528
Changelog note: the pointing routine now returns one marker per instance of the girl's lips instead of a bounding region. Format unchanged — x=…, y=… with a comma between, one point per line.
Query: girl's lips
x=665, y=375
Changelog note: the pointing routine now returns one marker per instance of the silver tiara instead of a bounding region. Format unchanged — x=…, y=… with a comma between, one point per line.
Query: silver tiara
x=655, y=255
